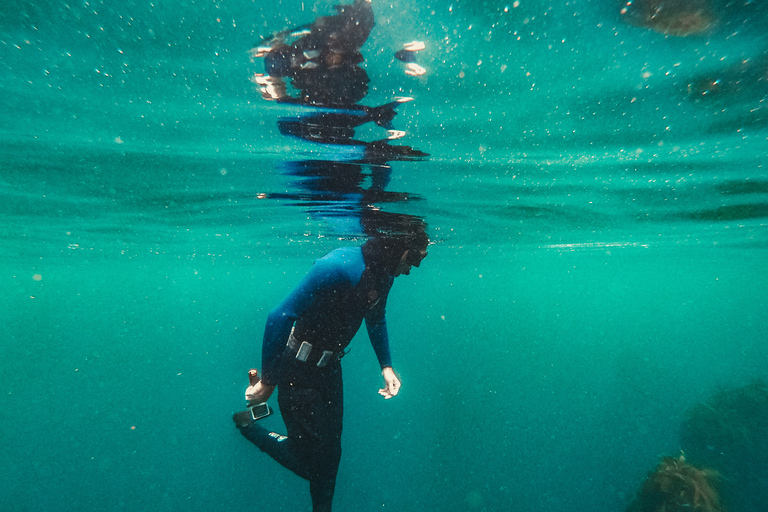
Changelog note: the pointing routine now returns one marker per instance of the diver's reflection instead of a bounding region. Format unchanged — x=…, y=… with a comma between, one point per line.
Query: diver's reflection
x=321, y=59
x=315, y=70
x=338, y=193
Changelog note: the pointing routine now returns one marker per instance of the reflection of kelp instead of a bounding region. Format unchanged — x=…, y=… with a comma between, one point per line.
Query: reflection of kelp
x=670, y=17
x=697, y=17
x=729, y=432
x=677, y=486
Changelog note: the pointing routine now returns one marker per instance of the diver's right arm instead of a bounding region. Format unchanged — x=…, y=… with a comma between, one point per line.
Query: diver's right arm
x=324, y=273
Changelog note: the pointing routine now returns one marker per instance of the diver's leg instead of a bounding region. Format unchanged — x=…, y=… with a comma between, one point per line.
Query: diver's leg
x=281, y=448
x=322, y=481
x=312, y=447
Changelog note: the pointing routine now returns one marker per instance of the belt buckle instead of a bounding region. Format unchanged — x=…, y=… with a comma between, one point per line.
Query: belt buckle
x=303, y=353
x=325, y=358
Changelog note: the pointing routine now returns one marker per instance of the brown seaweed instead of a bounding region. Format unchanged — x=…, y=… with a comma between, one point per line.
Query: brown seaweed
x=677, y=486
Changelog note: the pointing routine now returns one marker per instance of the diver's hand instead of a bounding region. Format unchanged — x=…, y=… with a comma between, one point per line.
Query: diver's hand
x=391, y=383
x=258, y=393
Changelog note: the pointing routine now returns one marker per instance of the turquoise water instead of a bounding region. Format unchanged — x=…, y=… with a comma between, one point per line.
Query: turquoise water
x=600, y=258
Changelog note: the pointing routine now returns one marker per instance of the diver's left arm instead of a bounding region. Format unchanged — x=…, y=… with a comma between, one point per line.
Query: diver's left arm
x=376, y=324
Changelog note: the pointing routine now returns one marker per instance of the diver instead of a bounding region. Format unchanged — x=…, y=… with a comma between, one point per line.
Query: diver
x=306, y=336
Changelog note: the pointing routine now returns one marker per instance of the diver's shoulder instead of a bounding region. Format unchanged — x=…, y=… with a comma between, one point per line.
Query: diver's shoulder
x=345, y=263
x=344, y=255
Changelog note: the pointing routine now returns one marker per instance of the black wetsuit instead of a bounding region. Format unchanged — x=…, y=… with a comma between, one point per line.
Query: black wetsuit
x=327, y=308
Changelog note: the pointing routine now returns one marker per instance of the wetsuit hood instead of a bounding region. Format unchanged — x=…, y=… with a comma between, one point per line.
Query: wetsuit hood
x=383, y=254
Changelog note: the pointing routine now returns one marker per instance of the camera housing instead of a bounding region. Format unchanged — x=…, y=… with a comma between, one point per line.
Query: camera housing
x=259, y=411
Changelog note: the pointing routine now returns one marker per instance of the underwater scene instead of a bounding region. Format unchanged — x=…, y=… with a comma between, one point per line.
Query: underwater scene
x=588, y=332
